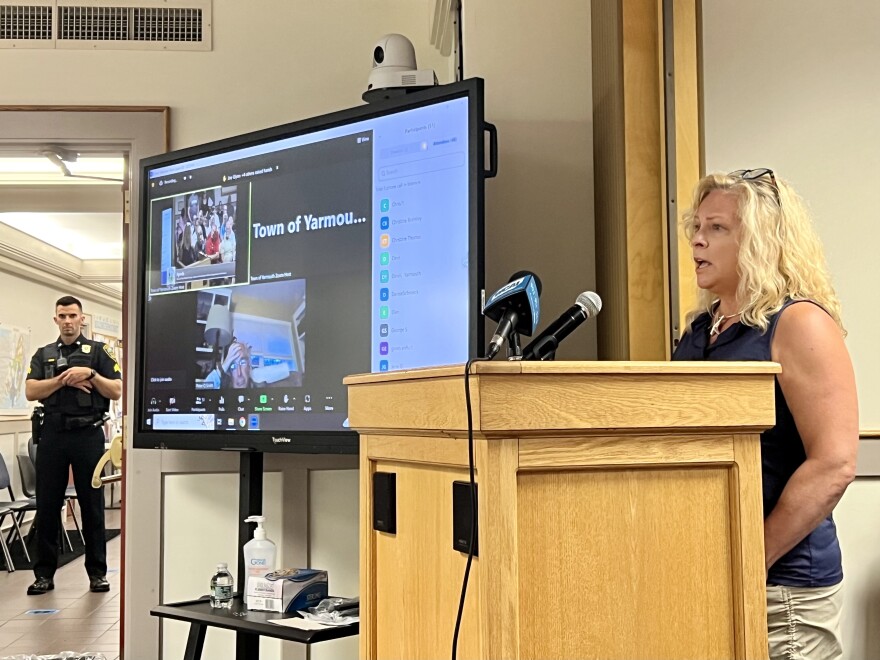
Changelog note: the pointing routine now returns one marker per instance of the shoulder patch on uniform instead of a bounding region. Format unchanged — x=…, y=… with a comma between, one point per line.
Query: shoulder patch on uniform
x=109, y=351
x=86, y=348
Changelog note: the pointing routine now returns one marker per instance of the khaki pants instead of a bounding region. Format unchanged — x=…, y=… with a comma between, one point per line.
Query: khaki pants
x=804, y=623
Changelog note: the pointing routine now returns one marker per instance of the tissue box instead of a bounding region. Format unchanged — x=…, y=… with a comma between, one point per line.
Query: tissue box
x=288, y=591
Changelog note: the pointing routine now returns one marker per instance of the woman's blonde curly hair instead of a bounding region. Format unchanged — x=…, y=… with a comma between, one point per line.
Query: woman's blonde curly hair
x=780, y=254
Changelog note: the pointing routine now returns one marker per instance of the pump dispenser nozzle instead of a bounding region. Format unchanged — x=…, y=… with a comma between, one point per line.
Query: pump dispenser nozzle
x=259, y=532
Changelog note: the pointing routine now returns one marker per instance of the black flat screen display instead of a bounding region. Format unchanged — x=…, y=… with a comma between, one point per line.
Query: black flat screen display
x=276, y=263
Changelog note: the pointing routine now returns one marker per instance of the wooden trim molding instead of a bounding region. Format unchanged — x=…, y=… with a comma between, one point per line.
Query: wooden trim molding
x=164, y=109
x=629, y=161
x=869, y=453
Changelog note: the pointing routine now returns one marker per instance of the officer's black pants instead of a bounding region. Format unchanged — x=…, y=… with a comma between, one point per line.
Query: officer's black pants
x=59, y=449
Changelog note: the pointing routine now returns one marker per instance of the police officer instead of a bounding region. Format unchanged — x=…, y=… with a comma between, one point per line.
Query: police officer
x=74, y=378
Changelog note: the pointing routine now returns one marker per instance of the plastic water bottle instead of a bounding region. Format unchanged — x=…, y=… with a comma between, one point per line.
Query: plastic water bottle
x=221, y=587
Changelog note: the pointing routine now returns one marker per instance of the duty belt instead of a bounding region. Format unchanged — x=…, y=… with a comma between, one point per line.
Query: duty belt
x=72, y=421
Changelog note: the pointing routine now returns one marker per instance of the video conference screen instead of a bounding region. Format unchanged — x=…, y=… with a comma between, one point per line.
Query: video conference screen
x=277, y=263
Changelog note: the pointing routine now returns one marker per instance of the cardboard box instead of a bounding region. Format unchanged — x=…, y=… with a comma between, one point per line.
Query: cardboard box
x=299, y=589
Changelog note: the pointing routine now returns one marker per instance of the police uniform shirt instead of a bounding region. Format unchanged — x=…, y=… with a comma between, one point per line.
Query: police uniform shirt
x=86, y=353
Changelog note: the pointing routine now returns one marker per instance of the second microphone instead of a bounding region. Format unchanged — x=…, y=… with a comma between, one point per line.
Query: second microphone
x=543, y=347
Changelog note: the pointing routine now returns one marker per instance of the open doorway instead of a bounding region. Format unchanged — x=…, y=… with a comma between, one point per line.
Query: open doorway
x=94, y=265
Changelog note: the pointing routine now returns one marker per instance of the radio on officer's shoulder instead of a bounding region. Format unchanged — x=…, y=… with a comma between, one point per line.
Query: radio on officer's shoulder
x=37, y=423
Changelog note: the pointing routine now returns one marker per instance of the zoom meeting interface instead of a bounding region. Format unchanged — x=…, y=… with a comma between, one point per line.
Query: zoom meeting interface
x=274, y=271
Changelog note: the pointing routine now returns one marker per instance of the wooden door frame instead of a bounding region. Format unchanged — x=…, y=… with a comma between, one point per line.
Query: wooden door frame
x=138, y=131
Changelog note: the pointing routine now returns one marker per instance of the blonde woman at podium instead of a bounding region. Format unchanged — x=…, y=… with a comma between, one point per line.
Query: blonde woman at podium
x=765, y=294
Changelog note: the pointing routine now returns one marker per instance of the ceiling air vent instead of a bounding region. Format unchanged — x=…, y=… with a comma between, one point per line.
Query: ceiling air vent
x=137, y=24
x=26, y=26
x=167, y=24
x=99, y=25
x=93, y=23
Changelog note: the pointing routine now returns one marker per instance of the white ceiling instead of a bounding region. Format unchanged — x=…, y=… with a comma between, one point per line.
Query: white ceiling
x=84, y=235
x=80, y=217
x=33, y=170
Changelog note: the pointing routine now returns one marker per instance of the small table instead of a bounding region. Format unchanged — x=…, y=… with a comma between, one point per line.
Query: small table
x=248, y=625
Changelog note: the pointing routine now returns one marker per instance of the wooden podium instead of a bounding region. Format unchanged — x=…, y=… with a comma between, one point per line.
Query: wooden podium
x=620, y=510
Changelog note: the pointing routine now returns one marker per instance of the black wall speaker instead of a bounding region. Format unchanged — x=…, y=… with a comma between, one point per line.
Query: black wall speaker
x=385, y=502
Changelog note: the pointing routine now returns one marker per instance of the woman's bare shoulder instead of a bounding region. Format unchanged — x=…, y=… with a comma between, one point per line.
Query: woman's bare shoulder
x=803, y=330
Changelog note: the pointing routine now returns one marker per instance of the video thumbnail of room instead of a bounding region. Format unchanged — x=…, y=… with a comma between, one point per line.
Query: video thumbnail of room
x=201, y=243
x=252, y=336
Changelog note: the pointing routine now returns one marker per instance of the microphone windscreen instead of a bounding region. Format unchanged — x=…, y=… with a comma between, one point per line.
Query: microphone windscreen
x=522, y=273
x=591, y=302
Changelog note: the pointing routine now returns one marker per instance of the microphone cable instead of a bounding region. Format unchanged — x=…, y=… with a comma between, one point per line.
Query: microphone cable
x=473, y=487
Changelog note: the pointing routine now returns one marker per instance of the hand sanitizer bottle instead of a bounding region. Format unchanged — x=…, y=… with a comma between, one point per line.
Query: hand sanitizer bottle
x=259, y=554
x=221, y=588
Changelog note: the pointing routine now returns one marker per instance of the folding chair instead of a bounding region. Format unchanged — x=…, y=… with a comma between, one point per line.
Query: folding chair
x=15, y=510
x=10, y=568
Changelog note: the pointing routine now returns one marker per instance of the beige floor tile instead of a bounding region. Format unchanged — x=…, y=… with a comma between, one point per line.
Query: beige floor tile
x=40, y=649
x=109, y=637
x=101, y=648
x=69, y=643
x=76, y=624
x=21, y=626
x=12, y=612
x=46, y=602
x=33, y=617
x=70, y=613
x=82, y=619
x=9, y=638
x=107, y=609
x=81, y=631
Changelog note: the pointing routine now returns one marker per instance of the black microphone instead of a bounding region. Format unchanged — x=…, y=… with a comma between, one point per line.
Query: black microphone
x=544, y=346
x=516, y=307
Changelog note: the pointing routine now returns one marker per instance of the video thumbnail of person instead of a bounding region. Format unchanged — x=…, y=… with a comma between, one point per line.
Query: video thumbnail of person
x=252, y=336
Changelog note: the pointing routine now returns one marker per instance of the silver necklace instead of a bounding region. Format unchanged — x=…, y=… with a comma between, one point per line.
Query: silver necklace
x=719, y=321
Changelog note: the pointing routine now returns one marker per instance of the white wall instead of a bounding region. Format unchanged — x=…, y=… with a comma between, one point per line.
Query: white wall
x=333, y=545
x=536, y=60
x=859, y=508
x=794, y=85
x=31, y=305
x=192, y=545
x=272, y=62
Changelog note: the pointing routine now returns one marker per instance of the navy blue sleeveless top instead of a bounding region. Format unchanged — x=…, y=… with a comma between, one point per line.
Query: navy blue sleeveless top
x=815, y=561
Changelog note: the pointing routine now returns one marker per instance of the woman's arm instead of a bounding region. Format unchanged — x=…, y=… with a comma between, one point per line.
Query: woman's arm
x=818, y=383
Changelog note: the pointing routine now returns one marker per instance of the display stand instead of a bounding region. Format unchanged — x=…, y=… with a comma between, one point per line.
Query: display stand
x=248, y=626
x=250, y=503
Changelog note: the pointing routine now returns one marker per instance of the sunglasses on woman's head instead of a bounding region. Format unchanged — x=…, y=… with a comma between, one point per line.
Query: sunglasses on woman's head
x=760, y=175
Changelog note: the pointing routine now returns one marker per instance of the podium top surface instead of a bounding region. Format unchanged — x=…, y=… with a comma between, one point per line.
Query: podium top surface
x=572, y=367
x=537, y=397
